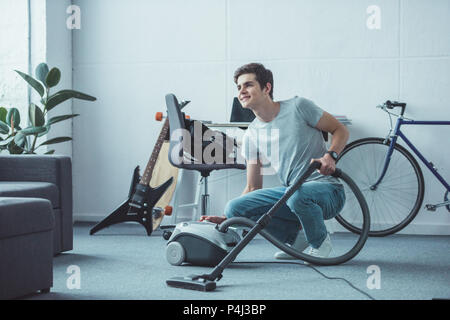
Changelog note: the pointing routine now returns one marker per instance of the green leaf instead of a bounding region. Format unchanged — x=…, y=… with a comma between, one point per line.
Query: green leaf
x=56, y=140
x=56, y=119
x=4, y=129
x=14, y=117
x=53, y=77
x=43, y=133
x=32, y=82
x=41, y=71
x=5, y=142
x=50, y=152
x=35, y=115
x=32, y=130
x=14, y=149
x=3, y=113
x=64, y=95
x=19, y=139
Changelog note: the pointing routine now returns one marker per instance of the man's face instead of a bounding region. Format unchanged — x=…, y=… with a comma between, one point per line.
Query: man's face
x=249, y=91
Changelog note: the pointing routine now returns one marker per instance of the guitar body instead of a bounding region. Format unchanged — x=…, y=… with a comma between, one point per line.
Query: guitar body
x=139, y=207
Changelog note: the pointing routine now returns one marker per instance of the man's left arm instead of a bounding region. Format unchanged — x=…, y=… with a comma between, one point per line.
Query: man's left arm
x=340, y=135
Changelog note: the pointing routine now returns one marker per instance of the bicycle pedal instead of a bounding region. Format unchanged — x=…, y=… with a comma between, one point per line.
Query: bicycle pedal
x=430, y=207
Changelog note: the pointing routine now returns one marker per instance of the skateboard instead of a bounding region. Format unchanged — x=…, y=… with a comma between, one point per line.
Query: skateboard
x=163, y=171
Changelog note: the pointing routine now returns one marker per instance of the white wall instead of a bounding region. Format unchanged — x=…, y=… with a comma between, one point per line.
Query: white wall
x=129, y=54
x=58, y=44
x=13, y=54
x=51, y=42
x=23, y=48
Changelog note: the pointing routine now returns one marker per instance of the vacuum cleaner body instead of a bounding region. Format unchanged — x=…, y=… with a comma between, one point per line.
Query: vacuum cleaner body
x=199, y=243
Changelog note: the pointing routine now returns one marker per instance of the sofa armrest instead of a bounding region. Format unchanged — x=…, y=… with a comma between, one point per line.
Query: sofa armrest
x=33, y=168
x=56, y=169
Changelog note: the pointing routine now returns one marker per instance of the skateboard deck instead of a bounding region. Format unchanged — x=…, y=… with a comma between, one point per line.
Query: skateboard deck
x=162, y=171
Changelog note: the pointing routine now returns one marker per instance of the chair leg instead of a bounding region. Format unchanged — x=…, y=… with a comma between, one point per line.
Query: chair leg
x=205, y=198
x=177, y=203
x=205, y=204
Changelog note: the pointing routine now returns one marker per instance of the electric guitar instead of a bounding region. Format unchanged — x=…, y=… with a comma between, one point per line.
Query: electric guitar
x=139, y=206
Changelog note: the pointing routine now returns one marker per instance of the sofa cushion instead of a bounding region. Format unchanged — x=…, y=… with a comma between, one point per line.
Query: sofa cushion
x=20, y=216
x=28, y=189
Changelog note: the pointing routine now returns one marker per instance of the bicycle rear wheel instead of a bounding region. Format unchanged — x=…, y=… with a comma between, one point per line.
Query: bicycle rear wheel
x=397, y=199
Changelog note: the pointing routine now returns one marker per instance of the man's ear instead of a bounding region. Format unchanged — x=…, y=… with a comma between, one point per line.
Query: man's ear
x=267, y=88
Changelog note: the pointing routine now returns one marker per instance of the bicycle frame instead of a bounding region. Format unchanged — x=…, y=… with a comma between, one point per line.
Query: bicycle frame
x=398, y=133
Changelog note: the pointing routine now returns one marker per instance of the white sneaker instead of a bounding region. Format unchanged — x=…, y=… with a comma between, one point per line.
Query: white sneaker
x=323, y=251
x=300, y=243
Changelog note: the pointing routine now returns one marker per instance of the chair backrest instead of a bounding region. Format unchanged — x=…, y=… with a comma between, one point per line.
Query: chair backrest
x=177, y=129
x=184, y=140
x=239, y=114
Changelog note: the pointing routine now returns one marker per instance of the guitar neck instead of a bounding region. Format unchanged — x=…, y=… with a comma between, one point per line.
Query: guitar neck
x=147, y=176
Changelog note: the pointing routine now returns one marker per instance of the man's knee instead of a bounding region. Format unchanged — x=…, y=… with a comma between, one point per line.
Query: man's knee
x=299, y=203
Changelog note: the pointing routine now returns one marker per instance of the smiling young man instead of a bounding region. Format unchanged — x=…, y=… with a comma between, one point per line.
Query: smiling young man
x=287, y=135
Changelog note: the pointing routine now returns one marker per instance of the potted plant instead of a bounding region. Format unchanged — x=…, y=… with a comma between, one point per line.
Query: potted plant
x=24, y=141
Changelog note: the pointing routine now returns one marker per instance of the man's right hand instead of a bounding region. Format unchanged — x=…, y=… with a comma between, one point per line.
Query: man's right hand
x=213, y=219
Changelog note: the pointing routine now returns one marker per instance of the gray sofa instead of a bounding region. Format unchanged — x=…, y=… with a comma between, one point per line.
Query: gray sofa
x=35, y=220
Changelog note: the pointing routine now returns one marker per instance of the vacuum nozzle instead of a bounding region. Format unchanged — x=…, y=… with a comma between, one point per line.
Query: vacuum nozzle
x=192, y=282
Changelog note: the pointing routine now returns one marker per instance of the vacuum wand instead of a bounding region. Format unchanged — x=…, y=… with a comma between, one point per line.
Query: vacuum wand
x=206, y=282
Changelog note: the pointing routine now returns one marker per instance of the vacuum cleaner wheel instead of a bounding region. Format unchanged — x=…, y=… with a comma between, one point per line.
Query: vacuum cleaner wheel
x=175, y=253
x=167, y=235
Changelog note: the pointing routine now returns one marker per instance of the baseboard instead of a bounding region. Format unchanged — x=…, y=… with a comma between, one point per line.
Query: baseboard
x=435, y=229
x=95, y=218
x=442, y=229
x=82, y=217
x=332, y=226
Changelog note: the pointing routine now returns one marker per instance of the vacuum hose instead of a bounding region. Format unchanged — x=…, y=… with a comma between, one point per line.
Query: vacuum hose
x=223, y=227
x=206, y=282
x=250, y=223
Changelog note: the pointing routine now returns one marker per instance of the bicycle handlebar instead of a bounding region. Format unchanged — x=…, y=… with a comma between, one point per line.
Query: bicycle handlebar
x=393, y=104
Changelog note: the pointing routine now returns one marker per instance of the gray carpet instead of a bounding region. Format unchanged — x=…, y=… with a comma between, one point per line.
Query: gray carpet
x=123, y=263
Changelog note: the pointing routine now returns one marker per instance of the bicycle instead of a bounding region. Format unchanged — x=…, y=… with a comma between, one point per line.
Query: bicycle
x=391, y=179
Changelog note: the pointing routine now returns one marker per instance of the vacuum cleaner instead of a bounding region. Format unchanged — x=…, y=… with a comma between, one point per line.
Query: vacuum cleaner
x=199, y=243
x=209, y=244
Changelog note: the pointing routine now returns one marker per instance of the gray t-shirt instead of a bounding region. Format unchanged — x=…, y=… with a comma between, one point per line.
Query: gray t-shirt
x=287, y=144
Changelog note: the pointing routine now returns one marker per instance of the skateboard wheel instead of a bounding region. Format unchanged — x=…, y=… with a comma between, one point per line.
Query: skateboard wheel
x=168, y=210
x=175, y=253
x=159, y=116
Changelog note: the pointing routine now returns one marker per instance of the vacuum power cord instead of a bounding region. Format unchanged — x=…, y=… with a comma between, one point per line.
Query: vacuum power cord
x=316, y=270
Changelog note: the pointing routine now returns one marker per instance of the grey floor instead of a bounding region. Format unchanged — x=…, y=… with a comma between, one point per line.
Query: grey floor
x=123, y=263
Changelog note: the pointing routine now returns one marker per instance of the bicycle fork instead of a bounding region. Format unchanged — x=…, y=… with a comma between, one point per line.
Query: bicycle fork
x=387, y=160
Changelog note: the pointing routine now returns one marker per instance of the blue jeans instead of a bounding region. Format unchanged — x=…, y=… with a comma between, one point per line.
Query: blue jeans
x=308, y=207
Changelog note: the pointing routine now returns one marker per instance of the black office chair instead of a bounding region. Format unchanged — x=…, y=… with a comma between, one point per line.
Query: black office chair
x=239, y=114
x=182, y=157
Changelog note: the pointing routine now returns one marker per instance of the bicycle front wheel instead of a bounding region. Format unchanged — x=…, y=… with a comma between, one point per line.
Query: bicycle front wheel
x=396, y=200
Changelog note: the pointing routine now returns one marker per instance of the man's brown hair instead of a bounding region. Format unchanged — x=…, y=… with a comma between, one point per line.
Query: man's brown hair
x=263, y=75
